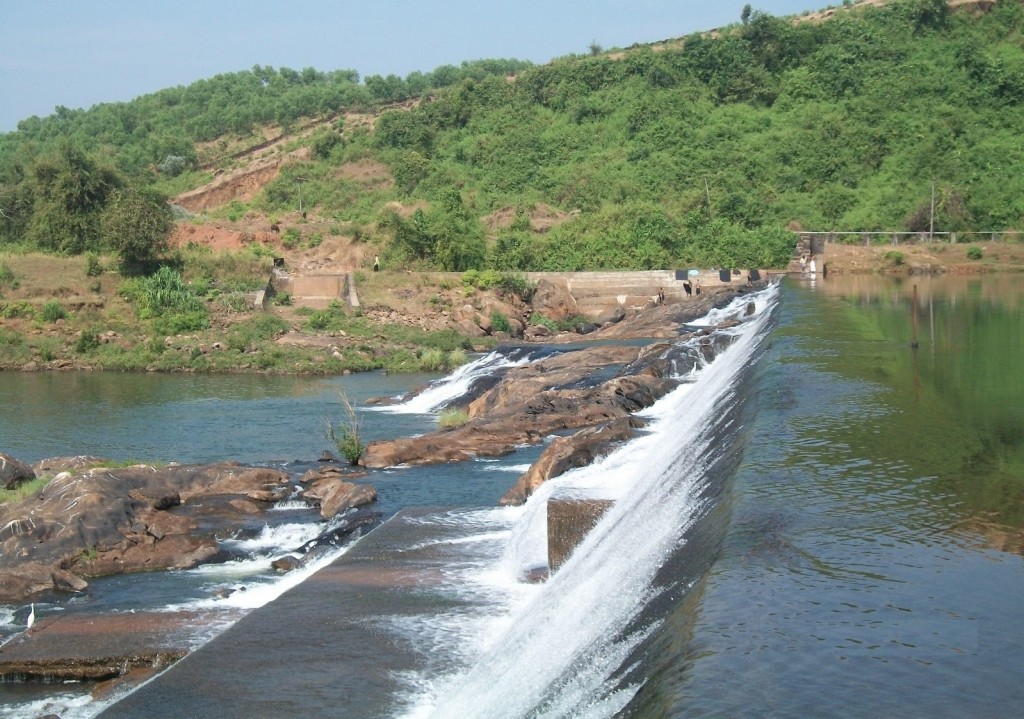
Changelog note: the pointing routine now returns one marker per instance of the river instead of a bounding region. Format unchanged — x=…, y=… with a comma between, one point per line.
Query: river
x=827, y=522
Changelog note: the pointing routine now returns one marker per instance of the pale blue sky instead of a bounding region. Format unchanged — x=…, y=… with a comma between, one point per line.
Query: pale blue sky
x=79, y=53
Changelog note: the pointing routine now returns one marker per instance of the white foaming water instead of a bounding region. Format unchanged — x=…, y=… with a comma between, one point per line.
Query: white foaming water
x=259, y=589
x=283, y=536
x=554, y=650
x=290, y=505
x=454, y=385
x=735, y=309
x=520, y=468
x=66, y=706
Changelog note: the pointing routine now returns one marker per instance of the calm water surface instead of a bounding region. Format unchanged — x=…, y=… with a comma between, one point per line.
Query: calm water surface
x=872, y=565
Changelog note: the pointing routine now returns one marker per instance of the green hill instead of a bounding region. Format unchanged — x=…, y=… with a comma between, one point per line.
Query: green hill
x=702, y=150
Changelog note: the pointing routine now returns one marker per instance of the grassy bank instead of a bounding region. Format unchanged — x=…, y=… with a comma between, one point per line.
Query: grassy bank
x=74, y=313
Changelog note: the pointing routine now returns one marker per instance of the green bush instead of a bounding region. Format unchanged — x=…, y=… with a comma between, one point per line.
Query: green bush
x=7, y=275
x=163, y=291
x=452, y=417
x=433, y=360
x=247, y=335
x=456, y=358
x=52, y=311
x=499, y=322
x=320, y=320
x=345, y=434
x=235, y=302
x=974, y=252
x=87, y=341
x=291, y=238
x=176, y=323
x=93, y=265
x=541, y=320
x=14, y=310
x=517, y=285
x=13, y=347
x=895, y=256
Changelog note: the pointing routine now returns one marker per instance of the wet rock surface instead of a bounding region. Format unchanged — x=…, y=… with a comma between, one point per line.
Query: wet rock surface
x=102, y=521
x=596, y=390
x=98, y=647
x=14, y=473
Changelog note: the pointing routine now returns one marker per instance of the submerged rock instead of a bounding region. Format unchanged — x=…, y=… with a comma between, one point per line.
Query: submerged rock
x=80, y=647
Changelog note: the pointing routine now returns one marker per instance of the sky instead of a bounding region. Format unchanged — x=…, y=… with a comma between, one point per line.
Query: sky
x=79, y=53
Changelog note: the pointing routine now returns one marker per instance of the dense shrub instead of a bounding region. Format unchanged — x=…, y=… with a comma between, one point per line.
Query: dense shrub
x=52, y=311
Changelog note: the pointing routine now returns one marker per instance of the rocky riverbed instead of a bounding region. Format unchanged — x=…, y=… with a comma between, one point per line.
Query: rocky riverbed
x=93, y=519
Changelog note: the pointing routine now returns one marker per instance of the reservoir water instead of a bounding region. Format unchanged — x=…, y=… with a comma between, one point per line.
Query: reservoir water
x=825, y=522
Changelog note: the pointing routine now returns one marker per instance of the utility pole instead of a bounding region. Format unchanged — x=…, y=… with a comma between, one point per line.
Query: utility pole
x=931, y=216
x=299, y=181
x=707, y=193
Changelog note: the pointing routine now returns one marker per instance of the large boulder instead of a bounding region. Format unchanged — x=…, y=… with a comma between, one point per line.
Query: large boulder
x=565, y=453
x=335, y=495
x=467, y=327
x=611, y=315
x=14, y=472
x=553, y=300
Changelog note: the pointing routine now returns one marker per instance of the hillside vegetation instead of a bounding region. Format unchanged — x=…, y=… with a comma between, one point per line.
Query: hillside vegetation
x=698, y=152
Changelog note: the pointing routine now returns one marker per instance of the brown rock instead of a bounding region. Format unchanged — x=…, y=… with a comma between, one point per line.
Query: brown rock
x=96, y=647
x=245, y=506
x=65, y=581
x=286, y=563
x=159, y=501
x=565, y=453
x=611, y=315
x=467, y=328
x=13, y=472
x=553, y=300
x=270, y=496
x=336, y=495
x=111, y=521
x=132, y=678
x=25, y=579
x=536, y=332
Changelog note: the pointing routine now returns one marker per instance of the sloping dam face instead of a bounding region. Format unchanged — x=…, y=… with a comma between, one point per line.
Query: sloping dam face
x=318, y=648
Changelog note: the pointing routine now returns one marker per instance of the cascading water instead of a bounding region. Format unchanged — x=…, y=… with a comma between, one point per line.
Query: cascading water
x=447, y=389
x=561, y=649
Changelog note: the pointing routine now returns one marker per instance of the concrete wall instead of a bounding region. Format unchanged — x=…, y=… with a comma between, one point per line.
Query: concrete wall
x=598, y=291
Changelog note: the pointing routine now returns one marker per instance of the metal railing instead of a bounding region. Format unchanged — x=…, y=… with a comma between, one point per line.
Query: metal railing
x=912, y=238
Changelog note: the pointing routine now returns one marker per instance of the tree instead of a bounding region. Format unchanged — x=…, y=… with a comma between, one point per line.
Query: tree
x=137, y=226
x=70, y=190
x=745, y=15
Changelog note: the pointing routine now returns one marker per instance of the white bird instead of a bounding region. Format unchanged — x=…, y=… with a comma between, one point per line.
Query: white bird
x=31, y=618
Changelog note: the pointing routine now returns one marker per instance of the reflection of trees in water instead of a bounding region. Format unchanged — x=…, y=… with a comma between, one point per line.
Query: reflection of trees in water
x=959, y=397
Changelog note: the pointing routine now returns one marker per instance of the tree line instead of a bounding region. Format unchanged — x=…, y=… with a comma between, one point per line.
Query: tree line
x=702, y=151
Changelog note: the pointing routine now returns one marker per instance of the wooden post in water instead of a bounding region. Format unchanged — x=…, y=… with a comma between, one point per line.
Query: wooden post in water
x=913, y=309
